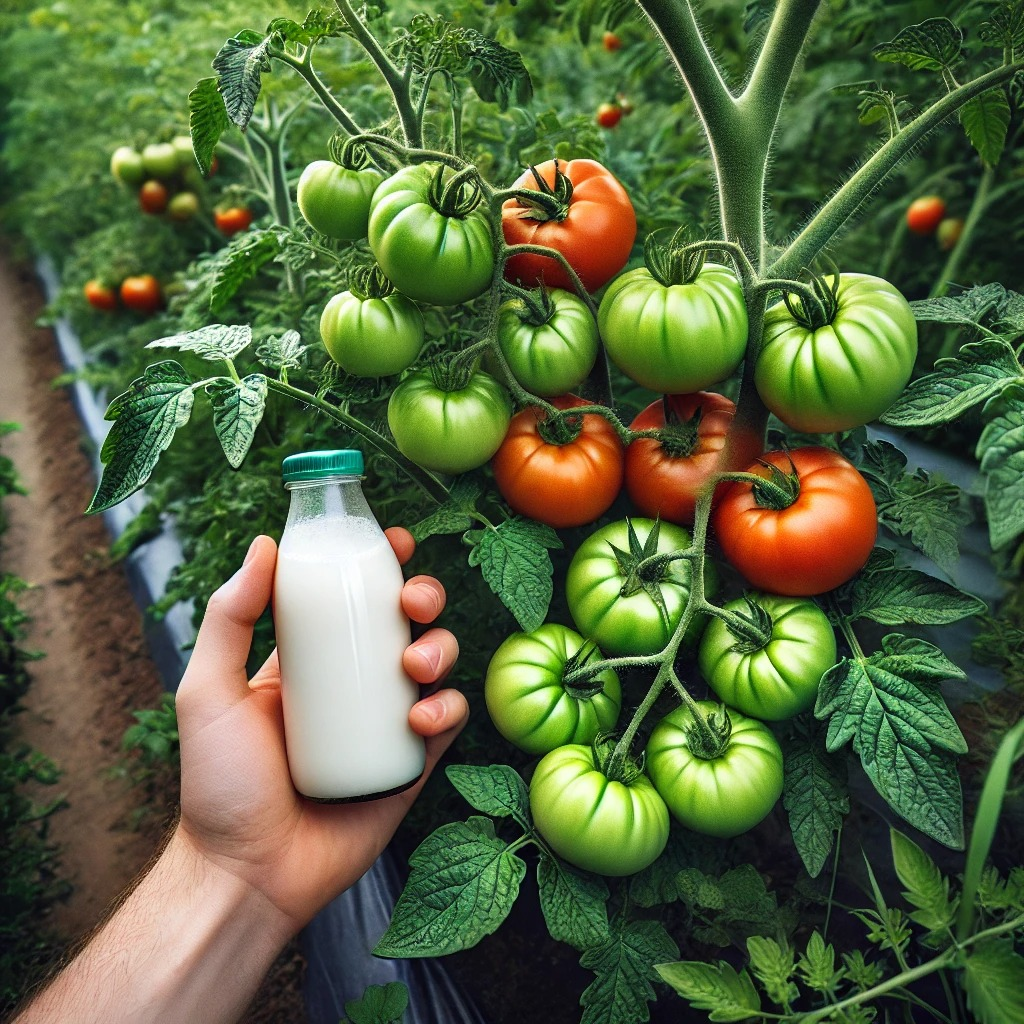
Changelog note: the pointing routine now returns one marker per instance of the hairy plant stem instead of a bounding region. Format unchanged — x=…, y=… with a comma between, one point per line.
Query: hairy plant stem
x=304, y=67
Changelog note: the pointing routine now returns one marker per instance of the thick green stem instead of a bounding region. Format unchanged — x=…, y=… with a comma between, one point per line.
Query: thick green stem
x=963, y=243
x=305, y=69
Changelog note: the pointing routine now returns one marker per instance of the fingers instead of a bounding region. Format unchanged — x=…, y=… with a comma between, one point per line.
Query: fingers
x=402, y=542
x=431, y=657
x=438, y=714
x=423, y=598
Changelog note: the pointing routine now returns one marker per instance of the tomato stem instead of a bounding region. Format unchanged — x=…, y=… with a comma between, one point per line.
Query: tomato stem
x=752, y=632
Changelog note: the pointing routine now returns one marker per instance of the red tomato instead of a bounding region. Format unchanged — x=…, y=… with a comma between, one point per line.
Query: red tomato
x=153, y=196
x=141, y=293
x=925, y=214
x=594, y=231
x=233, y=219
x=664, y=478
x=818, y=542
x=608, y=115
x=99, y=296
x=611, y=42
x=565, y=484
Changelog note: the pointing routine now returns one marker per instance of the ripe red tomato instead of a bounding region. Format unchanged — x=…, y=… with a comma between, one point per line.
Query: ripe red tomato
x=100, y=296
x=813, y=545
x=153, y=196
x=141, y=293
x=561, y=484
x=232, y=219
x=664, y=478
x=924, y=214
x=611, y=42
x=594, y=229
x=608, y=115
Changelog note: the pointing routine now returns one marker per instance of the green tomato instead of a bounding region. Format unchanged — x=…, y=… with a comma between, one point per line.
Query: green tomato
x=634, y=623
x=676, y=338
x=335, y=200
x=530, y=703
x=727, y=794
x=449, y=430
x=183, y=206
x=612, y=828
x=126, y=165
x=429, y=255
x=554, y=357
x=372, y=337
x=846, y=373
x=779, y=679
x=186, y=154
x=160, y=160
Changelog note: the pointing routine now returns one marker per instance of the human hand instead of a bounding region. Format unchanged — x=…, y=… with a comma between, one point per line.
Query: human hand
x=239, y=810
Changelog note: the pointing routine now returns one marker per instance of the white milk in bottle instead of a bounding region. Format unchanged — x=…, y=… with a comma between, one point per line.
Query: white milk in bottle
x=341, y=633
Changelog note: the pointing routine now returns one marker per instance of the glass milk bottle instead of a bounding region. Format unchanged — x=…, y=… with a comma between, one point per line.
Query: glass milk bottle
x=341, y=633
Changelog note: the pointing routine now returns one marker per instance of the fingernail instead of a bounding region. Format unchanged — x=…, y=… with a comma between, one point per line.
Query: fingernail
x=251, y=552
x=431, y=655
x=432, y=708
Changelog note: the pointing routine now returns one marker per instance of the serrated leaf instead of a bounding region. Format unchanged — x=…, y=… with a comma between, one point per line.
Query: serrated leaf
x=574, y=904
x=970, y=308
x=773, y=965
x=207, y=121
x=624, y=968
x=237, y=412
x=817, y=965
x=985, y=119
x=815, y=797
x=244, y=258
x=455, y=515
x=926, y=887
x=897, y=595
x=1004, y=28
x=240, y=64
x=283, y=353
x=494, y=789
x=658, y=883
x=216, y=342
x=514, y=561
x=145, y=419
x=981, y=370
x=1000, y=453
x=380, y=1004
x=715, y=987
x=933, y=45
x=498, y=74
x=994, y=982
x=463, y=883
x=891, y=707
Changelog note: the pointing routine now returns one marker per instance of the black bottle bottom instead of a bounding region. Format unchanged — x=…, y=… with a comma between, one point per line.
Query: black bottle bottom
x=365, y=799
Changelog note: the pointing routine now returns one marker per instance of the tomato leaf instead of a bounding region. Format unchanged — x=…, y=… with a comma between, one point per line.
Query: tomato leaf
x=237, y=412
x=455, y=515
x=730, y=996
x=316, y=26
x=817, y=965
x=380, y=1004
x=514, y=561
x=891, y=707
x=494, y=789
x=740, y=903
x=215, y=342
x=145, y=418
x=983, y=304
x=1001, y=455
x=240, y=262
x=933, y=45
x=926, y=887
x=283, y=353
x=207, y=120
x=462, y=885
x=658, y=883
x=624, y=965
x=985, y=119
x=815, y=797
x=240, y=64
x=574, y=903
x=1004, y=28
x=773, y=965
x=994, y=982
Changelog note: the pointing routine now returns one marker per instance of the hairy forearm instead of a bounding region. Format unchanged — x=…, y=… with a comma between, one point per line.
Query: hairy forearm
x=191, y=943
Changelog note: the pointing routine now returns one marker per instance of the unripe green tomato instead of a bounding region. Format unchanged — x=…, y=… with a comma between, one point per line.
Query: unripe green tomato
x=126, y=165
x=183, y=206
x=372, y=337
x=160, y=159
x=186, y=154
x=335, y=200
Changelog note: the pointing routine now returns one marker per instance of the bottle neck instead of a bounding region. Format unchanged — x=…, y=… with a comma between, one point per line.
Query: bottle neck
x=333, y=497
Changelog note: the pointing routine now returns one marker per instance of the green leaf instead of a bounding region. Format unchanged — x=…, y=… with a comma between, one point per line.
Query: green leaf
x=497, y=73
x=574, y=904
x=773, y=966
x=891, y=707
x=815, y=797
x=985, y=119
x=739, y=902
x=145, y=417
x=284, y=353
x=932, y=45
x=925, y=886
x=658, y=883
x=817, y=966
x=461, y=887
x=715, y=987
x=1000, y=453
x=997, y=893
x=1004, y=28
x=624, y=965
x=207, y=120
x=380, y=1004
x=495, y=789
x=971, y=308
x=455, y=515
x=240, y=65
x=514, y=561
x=237, y=412
x=994, y=982
x=981, y=370
x=216, y=342
x=242, y=261
x=921, y=505
x=317, y=26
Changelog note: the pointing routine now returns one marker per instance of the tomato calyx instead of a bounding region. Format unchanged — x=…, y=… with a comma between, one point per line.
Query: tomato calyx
x=622, y=768
x=678, y=437
x=752, y=629
x=643, y=567
x=707, y=737
x=457, y=197
x=777, y=491
x=533, y=306
x=672, y=264
x=814, y=315
x=577, y=680
x=346, y=152
x=453, y=374
x=546, y=202
x=370, y=282
x=560, y=429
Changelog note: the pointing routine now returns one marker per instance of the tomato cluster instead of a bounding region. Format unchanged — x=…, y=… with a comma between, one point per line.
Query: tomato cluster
x=141, y=293
x=164, y=173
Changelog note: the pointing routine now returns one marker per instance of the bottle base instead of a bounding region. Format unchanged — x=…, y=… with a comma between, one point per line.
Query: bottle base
x=364, y=798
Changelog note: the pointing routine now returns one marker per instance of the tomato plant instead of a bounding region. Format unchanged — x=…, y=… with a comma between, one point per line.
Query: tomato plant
x=808, y=525
x=768, y=659
x=126, y=165
x=532, y=699
x=583, y=213
x=141, y=293
x=722, y=784
x=153, y=196
x=100, y=295
x=563, y=472
x=608, y=115
x=925, y=214
x=335, y=200
x=230, y=220
x=599, y=824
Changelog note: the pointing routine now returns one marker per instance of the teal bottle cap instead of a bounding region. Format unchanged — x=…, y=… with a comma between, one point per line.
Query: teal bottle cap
x=316, y=465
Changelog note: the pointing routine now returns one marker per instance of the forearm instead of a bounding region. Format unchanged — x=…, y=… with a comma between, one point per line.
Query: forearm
x=191, y=943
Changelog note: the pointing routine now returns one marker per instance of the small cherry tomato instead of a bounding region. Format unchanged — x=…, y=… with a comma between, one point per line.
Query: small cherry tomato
x=141, y=293
x=609, y=115
x=153, y=196
x=100, y=296
x=611, y=42
x=232, y=219
x=925, y=214
x=949, y=232
x=184, y=206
